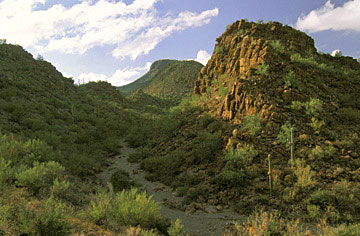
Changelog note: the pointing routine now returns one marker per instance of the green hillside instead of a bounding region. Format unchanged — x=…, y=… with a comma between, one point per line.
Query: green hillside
x=167, y=79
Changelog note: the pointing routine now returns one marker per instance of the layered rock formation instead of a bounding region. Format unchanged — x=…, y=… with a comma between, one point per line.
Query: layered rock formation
x=249, y=63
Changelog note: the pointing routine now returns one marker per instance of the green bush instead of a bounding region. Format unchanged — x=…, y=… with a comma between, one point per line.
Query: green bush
x=318, y=152
x=53, y=219
x=240, y=158
x=205, y=150
x=277, y=45
x=6, y=172
x=262, y=69
x=218, y=50
x=314, y=107
x=316, y=125
x=252, y=123
x=98, y=207
x=291, y=80
x=134, y=208
x=349, y=115
x=40, y=176
x=304, y=174
x=137, y=136
x=284, y=134
x=49, y=217
x=121, y=180
x=205, y=120
x=176, y=229
x=223, y=91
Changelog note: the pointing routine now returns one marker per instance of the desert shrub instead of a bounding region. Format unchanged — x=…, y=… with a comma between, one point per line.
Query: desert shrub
x=7, y=173
x=137, y=135
x=53, y=219
x=25, y=153
x=59, y=188
x=134, y=208
x=223, y=91
x=163, y=167
x=304, y=174
x=215, y=126
x=230, y=178
x=316, y=125
x=321, y=198
x=262, y=69
x=205, y=120
x=139, y=155
x=314, y=107
x=49, y=217
x=313, y=211
x=291, y=80
x=218, y=50
x=320, y=153
x=350, y=100
x=252, y=123
x=284, y=134
x=205, y=150
x=177, y=229
x=98, y=207
x=297, y=105
x=121, y=180
x=349, y=115
x=277, y=45
x=263, y=223
x=241, y=157
x=40, y=176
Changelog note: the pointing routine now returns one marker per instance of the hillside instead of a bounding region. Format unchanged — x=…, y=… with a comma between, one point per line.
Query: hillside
x=169, y=80
x=262, y=83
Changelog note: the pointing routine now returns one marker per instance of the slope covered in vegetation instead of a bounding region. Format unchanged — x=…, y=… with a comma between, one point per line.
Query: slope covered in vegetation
x=169, y=80
x=265, y=92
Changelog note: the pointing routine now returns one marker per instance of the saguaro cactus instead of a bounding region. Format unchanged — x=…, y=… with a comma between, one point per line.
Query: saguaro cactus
x=270, y=174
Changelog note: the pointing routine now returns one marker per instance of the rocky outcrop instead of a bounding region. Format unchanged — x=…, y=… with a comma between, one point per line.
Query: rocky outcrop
x=238, y=53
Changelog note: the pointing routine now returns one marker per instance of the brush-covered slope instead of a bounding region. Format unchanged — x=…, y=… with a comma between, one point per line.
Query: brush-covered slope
x=81, y=122
x=167, y=79
x=261, y=81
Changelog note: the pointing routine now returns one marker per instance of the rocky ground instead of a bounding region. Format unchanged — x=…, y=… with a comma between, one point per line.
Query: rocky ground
x=198, y=219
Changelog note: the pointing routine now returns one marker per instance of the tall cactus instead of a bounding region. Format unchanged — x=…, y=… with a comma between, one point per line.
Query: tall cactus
x=270, y=174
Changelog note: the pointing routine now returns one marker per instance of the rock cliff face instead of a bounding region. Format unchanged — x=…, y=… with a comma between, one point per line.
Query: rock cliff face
x=246, y=72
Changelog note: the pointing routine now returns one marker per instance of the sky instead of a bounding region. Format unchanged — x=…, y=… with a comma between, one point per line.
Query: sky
x=117, y=40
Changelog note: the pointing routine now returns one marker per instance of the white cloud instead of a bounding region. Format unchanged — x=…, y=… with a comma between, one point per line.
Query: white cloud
x=202, y=57
x=329, y=17
x=335, y=52
x=132, y=29
x=118, y=78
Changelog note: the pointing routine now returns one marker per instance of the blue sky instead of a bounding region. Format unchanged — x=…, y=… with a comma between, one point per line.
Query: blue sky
x=118, y=40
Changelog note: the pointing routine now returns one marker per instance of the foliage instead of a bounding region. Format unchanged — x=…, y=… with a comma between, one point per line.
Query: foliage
x=252, y=123
x=316, y=125
x=284, y=134
x=277, y=45
x=206, y=120
x=50, y=217
x=134, y=208
x=223, y=91
x=349, y=115
x=314, y=107
x=121, y=180
x=98, y=207
x=319, y=152
x=40, y=176
x=218, y=50
x=338, y=53
x=291, y=81
x=304, y=174
x=177, y=229
x=262, y=69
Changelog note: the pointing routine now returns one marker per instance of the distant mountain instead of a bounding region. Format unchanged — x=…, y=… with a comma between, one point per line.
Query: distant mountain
x=166, y=79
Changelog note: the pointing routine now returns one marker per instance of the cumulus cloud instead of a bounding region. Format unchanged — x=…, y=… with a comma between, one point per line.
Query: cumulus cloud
x=119, y=78
x=329, y=17
x=132, y=29
x=202, y=57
